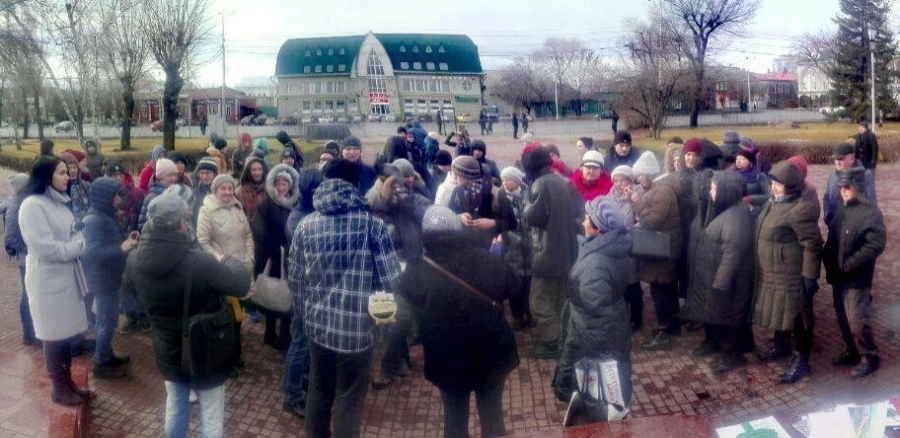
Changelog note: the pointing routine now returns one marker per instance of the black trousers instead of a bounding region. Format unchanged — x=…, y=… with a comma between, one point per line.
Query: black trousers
x=338, y=383
x=58, y=355
x=802, y=335
x=518, y=304
x=665, y=300
x=726, y=338
x=489, y=401
x=634, y=296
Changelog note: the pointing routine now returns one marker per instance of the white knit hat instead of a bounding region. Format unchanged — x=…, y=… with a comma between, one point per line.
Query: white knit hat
x=165, y=166
x=440, y=218
x=647, y=164
x=514, y=174
x=624, y=171
x=592, y=158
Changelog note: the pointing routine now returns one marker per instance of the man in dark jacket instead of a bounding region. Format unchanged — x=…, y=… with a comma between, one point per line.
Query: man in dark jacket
x=720, y=262
x=855, y=240
x=288, y=143
x=340, y=256
x=622, y=153
x=106, y=250
x=867, y=147
x=158, y=271
x=844, y=157
x=351, y=150
x=550, y=213
x=479, y=151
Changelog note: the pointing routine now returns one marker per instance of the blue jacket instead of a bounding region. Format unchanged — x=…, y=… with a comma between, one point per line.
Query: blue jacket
x=153, y=191
x=419, y=132
x=831, y=200
x=104, y=260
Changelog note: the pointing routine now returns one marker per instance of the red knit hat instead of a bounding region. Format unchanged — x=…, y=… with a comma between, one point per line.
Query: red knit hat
x=694, y=145
x=800, y=162
x=79, y=156
x=530, y=147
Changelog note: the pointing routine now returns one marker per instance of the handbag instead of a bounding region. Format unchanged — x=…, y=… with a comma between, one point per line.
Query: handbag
x=468, y=287
x=602, y=392
x=651, y=245
x=272, y=293
x=207, y=339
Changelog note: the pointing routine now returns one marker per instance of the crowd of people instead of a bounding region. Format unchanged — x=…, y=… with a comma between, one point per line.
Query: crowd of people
x=452, y=237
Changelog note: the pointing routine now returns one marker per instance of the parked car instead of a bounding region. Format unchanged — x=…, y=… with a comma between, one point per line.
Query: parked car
x=491, y=112
x=64, y=126
x=829, y=109
x=288, y=121
x=426, y=118
x=374, y=118
x=604, y=115
x=465, y=118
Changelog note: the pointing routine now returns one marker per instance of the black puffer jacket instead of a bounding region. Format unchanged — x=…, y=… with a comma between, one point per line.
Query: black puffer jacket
x=597, y=313
x=468, y=344
x=856, y=238
x=157, y=273
x=720, y=257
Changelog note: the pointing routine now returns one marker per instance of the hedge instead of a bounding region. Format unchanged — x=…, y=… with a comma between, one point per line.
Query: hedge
x=817, y=152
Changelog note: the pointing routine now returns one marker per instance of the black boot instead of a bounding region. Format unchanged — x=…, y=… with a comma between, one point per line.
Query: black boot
x=868, y=365
x=83, y=392
x=705, y=349
x=727, y=363
x=797, y=371
x=846, y=359
x=108, y=371
x=778, y=350
x=61, y=392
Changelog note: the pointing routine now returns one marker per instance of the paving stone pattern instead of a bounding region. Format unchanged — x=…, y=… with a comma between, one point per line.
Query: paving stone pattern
x=665, y=383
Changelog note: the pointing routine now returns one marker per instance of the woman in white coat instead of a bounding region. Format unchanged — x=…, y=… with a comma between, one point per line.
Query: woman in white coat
x=54, y=276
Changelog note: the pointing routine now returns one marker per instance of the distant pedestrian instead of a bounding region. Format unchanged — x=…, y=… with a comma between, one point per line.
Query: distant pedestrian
x=17, y=249
x=525, y=121
x=203, y=124
x=615, y=121
x=515, y=125
x=439, y=118
x=867, y=147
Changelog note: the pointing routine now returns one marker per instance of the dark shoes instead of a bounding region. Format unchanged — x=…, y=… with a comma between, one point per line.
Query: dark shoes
x=546, y=350
x=798, y=370
x=867, y=365
x=380, y=382
x=107, y=371
x=846, y=359
x=83, y=346
x=725, y=364
x=776, y=351
x=296, y=409
x=117, y=361
x=61, y=390
x=693, y=326
x=705, y=349
x=659, y=342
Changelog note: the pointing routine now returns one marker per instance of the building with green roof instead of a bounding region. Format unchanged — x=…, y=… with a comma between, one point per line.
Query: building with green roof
x=386, y=76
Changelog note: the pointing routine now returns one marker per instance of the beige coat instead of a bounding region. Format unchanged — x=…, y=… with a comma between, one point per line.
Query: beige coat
x=222, y=229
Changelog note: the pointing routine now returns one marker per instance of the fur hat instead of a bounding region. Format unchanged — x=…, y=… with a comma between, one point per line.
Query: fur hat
x=440, y=218
x=209, y=164
x=606, y=214
x=223, y=179
x=694, y=145
x=514, y=174
x=647, y=164
x=622, y=137
x=466, y=167
x=342, y=169
x=623, y=170
x=165, y=166
x=592, y=158
x=166, y=211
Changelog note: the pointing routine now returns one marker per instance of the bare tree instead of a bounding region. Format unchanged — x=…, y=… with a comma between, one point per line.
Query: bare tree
x=125, y=52
x=521, y=84
x=706, y=19
x=816, y=49
x=556, y=58
x=584, y=77
x=175, y=31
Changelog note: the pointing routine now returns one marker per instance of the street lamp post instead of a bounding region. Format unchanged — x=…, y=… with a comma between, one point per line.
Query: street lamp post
x=872, y=34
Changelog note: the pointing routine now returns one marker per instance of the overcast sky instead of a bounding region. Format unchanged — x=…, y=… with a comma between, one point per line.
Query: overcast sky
x=502, y=29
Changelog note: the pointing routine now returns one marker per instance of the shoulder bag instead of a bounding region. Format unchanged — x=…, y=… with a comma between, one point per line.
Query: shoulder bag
x=651, y=245
x=273, y=293
x=468, y=287
x=207, y=339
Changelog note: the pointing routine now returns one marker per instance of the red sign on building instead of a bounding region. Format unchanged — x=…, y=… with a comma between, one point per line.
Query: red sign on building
x=378, y=98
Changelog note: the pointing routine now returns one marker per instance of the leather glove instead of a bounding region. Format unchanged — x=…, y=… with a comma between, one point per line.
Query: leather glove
x=810, y=287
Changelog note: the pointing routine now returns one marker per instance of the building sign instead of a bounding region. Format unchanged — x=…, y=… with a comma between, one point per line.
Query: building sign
x=378, y=98
x=467, y=99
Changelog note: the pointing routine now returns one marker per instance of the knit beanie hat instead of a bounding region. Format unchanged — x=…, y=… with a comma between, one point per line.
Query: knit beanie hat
x=262, y=144
x=443, y=158
x=606, y=214
x=182, y=191
x=333, y=147
x=466, y=167
x=622, y=137
x=750, y=156
x=405, y=167
x=18, y=181
x=747, y=143
x=166, y=211
x=514, y=174
x=647, y=164
x=731, y=137
x=157, y=152
x=624, y=171
x=209, y=164
x=440, y=218
x=592, y=158
x=223, y=179
x=694, y=145
x=68, y=158
x=115, y=166
x=342, y=169
x=165, y=166
x=219, y=143
x=351, y=142
x=79, y=156
x=801, y=164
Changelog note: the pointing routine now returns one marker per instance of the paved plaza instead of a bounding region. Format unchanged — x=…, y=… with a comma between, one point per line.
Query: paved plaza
x=665, y=383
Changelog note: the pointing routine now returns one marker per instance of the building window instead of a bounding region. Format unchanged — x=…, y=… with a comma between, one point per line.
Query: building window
x=443, y=66
x=307, y=52
x=329, y=87
x=417, y=66
x=427, y=49
x=306, y=69
x=318, y=69
x=429, y=66
x=378, y=98
x=420, y=107
x=330, y=52
x=407, y=105
x=340, y=87
x=374, y=66
x=420, y=86
x=445, y=86
x=402, y=49
x=329, y=68
x=441, y=49
x=329, y=106
x=318, y=106
x=404, y=65
x=342, y=67
x=435, y=105
x=433, y=86
x=466, y=85
x=448, y=105
x=319, y=52
x=306, y=106
x=407, y=85
x=339, y=106
x=415, y=49
x=342, y=52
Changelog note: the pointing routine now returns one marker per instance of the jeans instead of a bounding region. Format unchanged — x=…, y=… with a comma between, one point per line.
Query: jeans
x=397, y=353
x=296, y=366
x=489, y=401
x=25, y=309
x=338, y=383
x=665, y=300
x=132, y=306
x=107, y=320
x=89, y=310
x=178, y=410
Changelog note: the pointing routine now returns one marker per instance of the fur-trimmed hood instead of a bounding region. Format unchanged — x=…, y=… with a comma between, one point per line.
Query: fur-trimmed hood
x=293, y=195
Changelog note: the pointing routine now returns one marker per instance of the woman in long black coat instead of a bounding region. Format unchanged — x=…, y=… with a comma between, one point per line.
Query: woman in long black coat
x=468, y=344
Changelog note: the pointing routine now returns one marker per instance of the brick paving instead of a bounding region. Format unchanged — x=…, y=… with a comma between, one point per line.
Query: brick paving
x=665, y=383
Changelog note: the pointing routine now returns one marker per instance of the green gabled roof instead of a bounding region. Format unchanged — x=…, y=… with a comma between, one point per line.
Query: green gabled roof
x=459, y=53
x=318, y=56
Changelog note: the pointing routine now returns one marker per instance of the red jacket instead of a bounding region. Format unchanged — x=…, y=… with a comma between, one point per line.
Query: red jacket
x=146, y=175
x=600, y=187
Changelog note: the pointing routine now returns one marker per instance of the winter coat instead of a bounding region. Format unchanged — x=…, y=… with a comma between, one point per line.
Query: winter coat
x=156, y=272
x=156, y=189
x=104, y=260
x=222, y=229
x=831, y=199
x=149, y=170
x=551, y=215
x=13, y=242
x=463, y=147
x=419, y=132
x=515, y=230
x=431, y=149
x=219, y=158
x=52, y=266
x=271, y=220
x=129, y=210
x=756, y=187
x=720, y=258
x=438, y=176
x=613, y=159
x=788, y=250
x=94, y=161
x=494, y=170
x=661, y=213
x=403, y=220
x=468, y=344
x=367, y=177
x=598, y=316
x=80, y=196
x=855, y=239
x=867, y=149
x=238, y=160
x=592, y=190
x=250, y=193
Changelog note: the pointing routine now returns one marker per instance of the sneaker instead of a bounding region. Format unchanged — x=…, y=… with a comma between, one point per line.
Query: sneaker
x=659, y=342
x=867, y=365
x=193, y=397
x=705, y=349
x=131, y=326
x=296, y=409
x=546, y=350
x=107, y=371
x=846, y=359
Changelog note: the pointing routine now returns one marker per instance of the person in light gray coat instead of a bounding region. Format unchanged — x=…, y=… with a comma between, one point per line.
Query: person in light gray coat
x=54, y=276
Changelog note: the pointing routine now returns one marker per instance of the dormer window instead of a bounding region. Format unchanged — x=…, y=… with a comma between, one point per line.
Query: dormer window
x=319, y=52
x=307, y=52
x=441, y=49
x=415, y=49
x=318, y=69
x=427, y=49
x=342, y=52
x=330, y=52
x=402, y=49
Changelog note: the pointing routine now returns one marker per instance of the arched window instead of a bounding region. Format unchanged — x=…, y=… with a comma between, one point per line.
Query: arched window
x=441, y=49
x=402, y=49
x=427, y=49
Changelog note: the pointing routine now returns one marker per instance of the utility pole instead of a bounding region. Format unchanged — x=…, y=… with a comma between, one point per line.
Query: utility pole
x=872, y=34
x=222, y=100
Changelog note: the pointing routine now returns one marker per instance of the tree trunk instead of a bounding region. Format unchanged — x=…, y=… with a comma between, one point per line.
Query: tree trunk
x=25, y=120
x=37, y=112
x=170, y=106
x=128, y=99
